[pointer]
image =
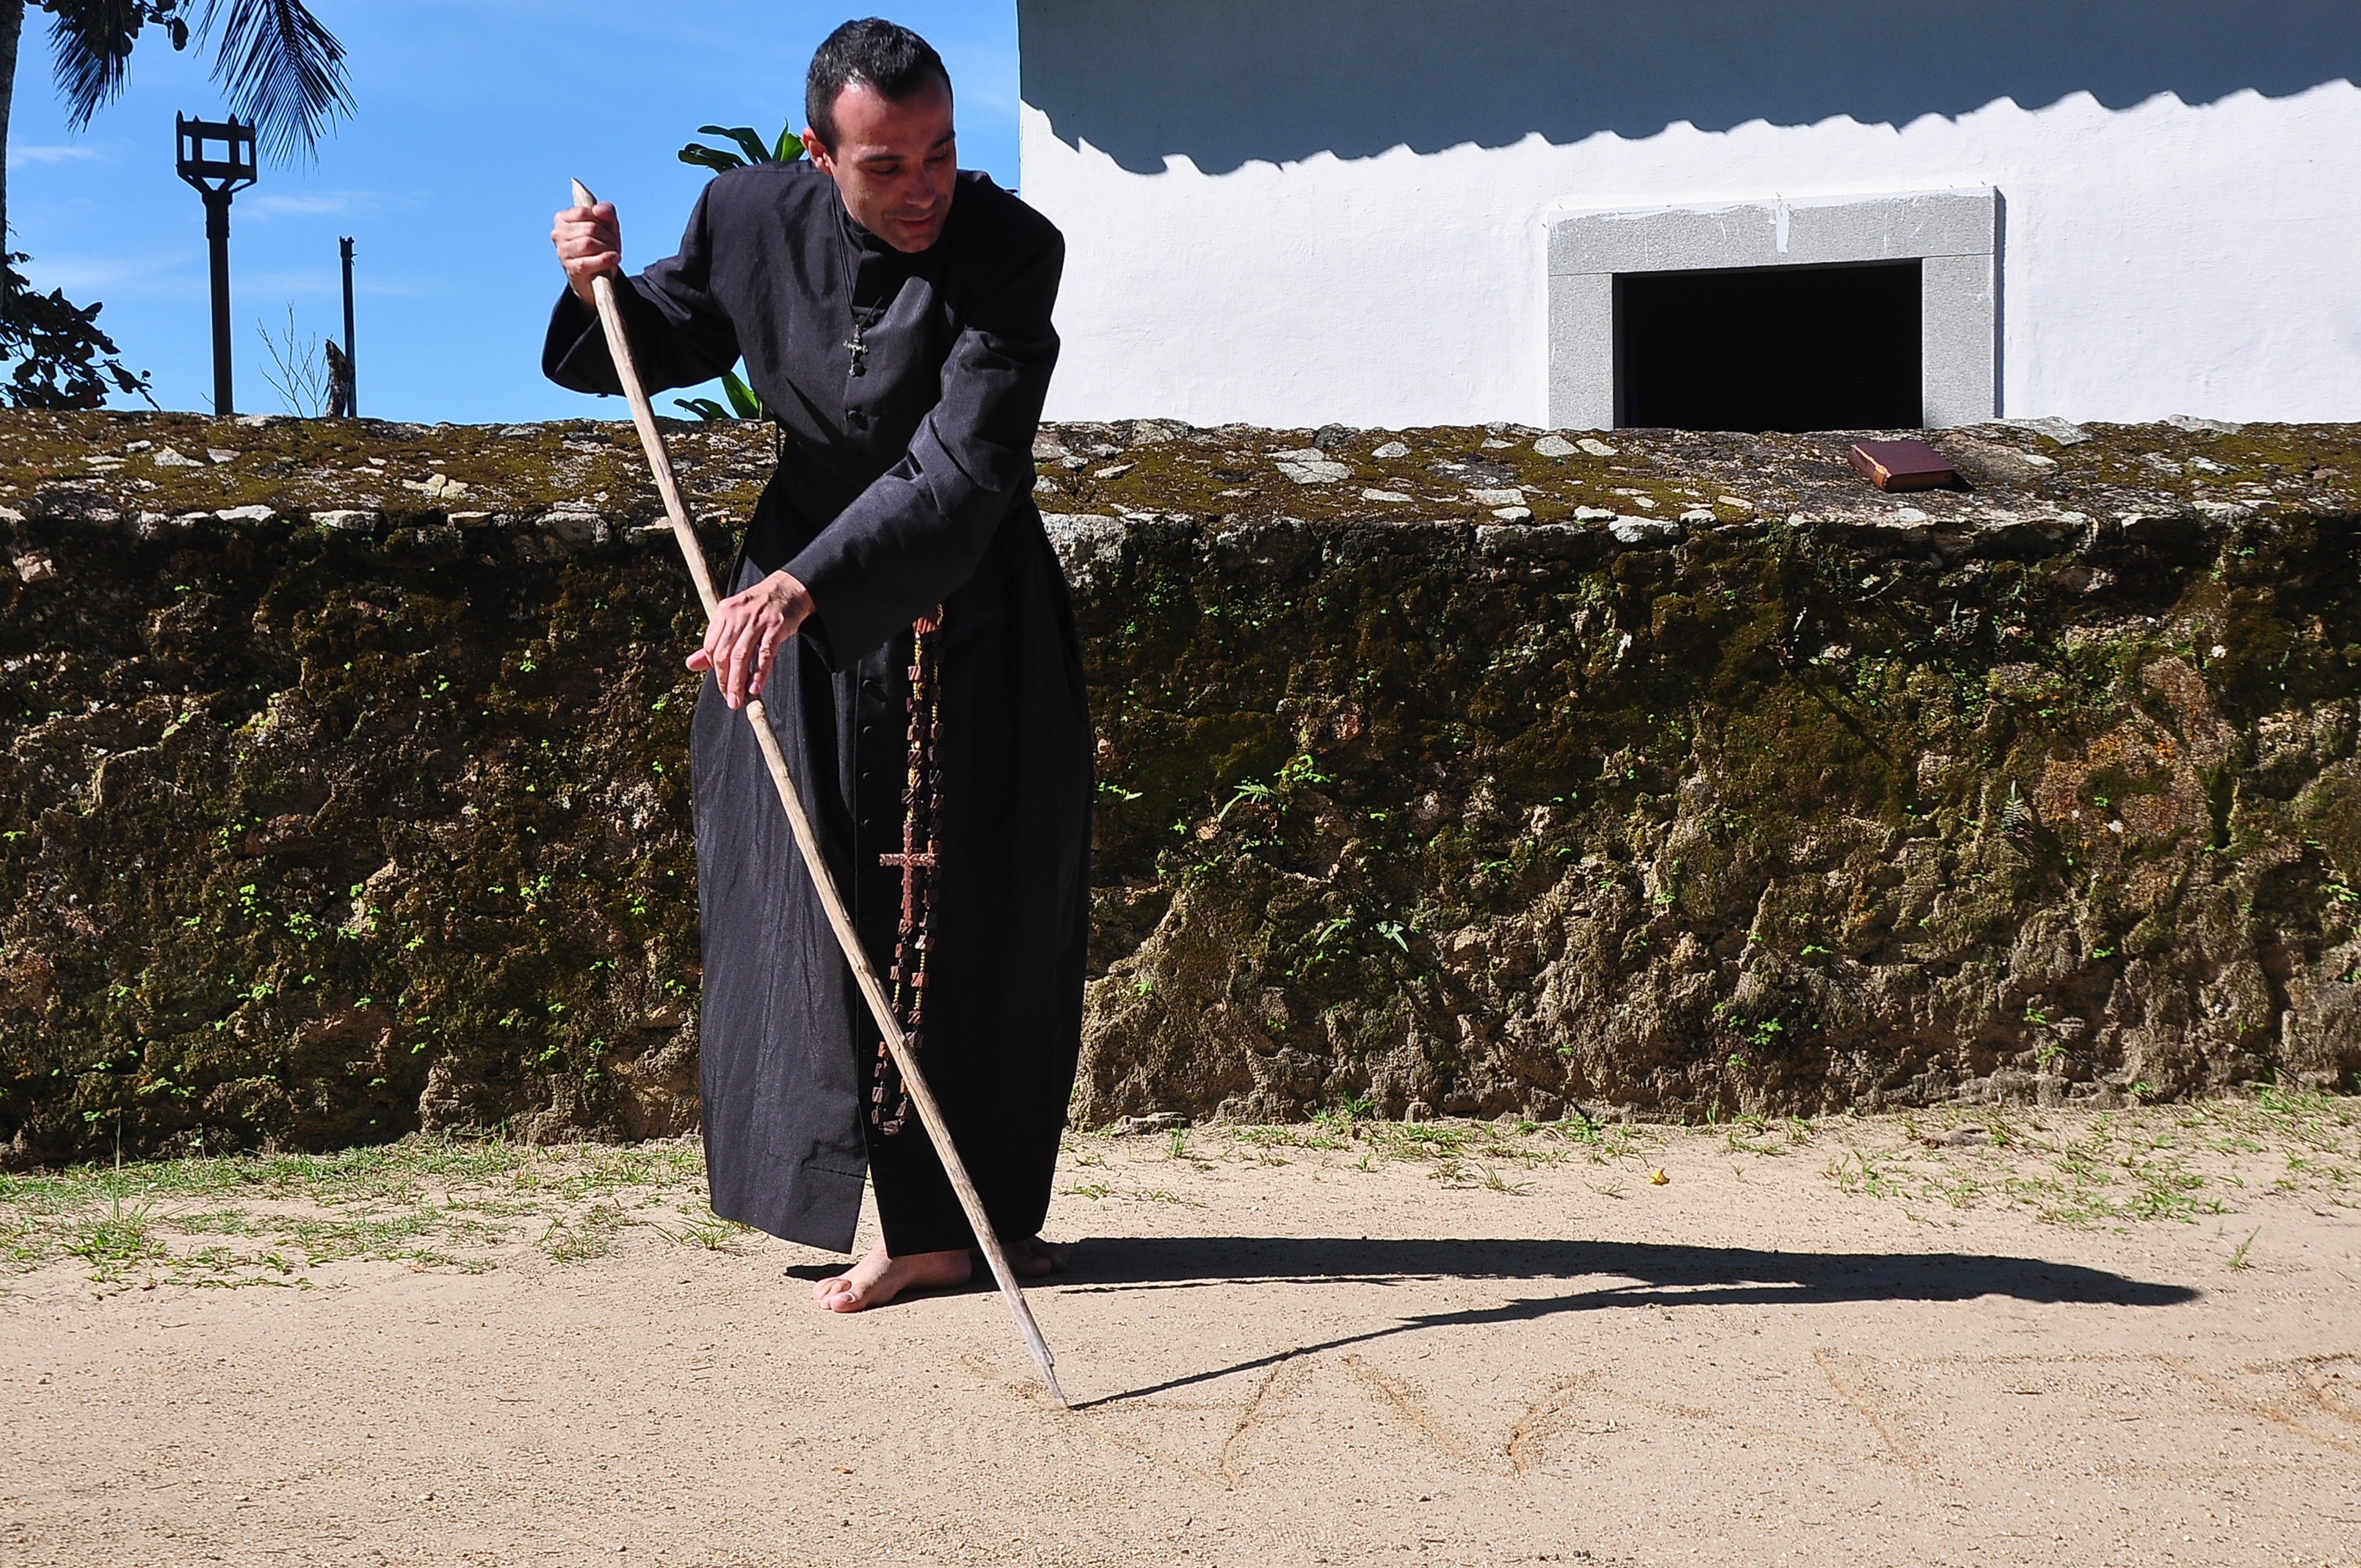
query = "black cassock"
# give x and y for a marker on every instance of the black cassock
(902, 488)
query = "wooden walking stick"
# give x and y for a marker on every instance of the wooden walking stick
(865, 973)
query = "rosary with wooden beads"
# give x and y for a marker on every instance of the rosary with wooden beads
(919, 862)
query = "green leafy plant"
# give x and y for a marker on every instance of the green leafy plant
(1303, 770)
(744, 401)
(1254, 790)
(1762, 1033)
(752, 149)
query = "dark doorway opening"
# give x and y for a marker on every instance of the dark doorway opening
(1787, 348)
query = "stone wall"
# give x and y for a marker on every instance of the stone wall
(1460, 771)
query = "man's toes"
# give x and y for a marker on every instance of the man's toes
(855, 1291)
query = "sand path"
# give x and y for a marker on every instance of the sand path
(1273, 1363)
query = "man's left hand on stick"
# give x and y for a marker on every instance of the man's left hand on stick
(743, 638)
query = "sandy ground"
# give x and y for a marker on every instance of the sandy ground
(1272, 1363)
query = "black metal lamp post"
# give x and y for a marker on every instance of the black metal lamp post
(352, 374)
(217, 180)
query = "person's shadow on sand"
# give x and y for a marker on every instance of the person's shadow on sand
(1619, 1274)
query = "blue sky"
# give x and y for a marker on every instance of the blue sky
(472, 114)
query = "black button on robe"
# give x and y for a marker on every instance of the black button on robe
(900, 488)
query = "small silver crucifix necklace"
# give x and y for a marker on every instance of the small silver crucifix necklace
(848, 256)
(857, 345)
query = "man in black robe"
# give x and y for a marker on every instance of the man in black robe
(894, 316)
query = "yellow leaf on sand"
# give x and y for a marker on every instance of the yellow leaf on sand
(1658, 1179)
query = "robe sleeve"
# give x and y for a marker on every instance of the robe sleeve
(920, 529)
(680, 334)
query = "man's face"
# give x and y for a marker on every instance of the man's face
(894, 164)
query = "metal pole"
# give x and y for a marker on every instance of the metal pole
(217, 238)
(352, 376)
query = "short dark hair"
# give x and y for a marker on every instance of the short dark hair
(892, 59)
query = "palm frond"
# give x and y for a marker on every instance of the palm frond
(284, 71)
(90, 42)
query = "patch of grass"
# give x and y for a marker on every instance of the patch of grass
(264, 1219)
(2178, 1163)
(218, 1268)
(380, 1237)
(1102, 1191)
(1313, 1134)
(1855, 1171)
(115, 1241)
(578, 1238)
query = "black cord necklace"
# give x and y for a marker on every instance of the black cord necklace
(858, 344)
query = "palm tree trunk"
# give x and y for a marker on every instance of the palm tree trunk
(12, 28)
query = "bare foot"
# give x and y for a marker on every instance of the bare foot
(1033, 1258)
(877, 1278)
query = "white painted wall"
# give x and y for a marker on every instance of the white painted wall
(1303, 211)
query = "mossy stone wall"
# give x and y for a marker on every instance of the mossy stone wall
(1464, 771)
